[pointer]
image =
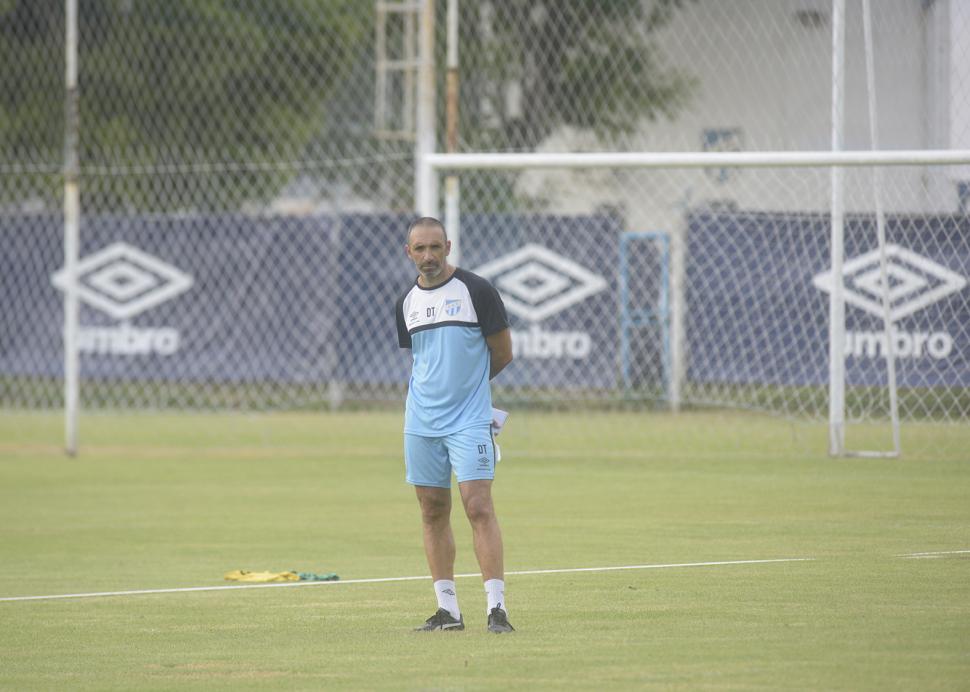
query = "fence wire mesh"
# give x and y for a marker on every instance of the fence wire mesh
(756, 291)
(247, 170)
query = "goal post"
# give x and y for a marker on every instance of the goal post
(884, 290)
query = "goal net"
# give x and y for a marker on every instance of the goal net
(723, 279)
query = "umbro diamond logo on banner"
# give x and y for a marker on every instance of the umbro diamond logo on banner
(535, 282)
(915, 282)
(123, 281)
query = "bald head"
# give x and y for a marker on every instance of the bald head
(427, 222)
(428, 247)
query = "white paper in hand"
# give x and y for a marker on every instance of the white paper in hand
(498, 421)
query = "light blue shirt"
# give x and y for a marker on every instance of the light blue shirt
(445, 328)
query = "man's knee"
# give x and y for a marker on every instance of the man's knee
(479, 508)
(435, 506)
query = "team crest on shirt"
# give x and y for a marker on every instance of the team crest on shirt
(452, 307)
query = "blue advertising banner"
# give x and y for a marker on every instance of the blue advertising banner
(558, 277)
(220, 299)
(758, 291)
(230, 299)
(373, 272)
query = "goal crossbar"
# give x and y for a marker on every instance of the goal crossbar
(713, 159)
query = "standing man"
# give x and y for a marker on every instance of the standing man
(455, 324)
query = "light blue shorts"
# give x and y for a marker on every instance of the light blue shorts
(470, 453)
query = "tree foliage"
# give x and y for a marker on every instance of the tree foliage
(168, 85)
(589, 64)
(189, 104)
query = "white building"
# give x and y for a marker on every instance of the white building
(763, 71)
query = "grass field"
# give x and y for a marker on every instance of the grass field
(164, 502)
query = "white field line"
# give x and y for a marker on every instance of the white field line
(938, 554)
(142, 592)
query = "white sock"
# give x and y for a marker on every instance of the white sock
(495, 593)
(444, 589)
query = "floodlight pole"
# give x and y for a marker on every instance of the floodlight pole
(888, 327)
(425, 188)
(836, 297)
(452, 188)
(72, 217)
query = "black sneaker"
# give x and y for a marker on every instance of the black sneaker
(498, 621)
(442, 620)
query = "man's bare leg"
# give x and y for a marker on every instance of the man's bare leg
(439, 540)
(439, 548)
(477, 498)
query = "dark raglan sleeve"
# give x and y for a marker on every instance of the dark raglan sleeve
(403, 337)
(489, 307)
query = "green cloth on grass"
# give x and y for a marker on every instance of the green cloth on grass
(248, 576)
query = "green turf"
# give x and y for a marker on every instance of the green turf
(175, 501)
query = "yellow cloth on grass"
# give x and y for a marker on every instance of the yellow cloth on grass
(246, 575)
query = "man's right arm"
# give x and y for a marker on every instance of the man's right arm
(500, 351)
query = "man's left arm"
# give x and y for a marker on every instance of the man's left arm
(499, 350)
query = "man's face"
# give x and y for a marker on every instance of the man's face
(428, 249)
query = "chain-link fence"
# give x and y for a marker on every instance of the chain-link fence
(247, 170)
